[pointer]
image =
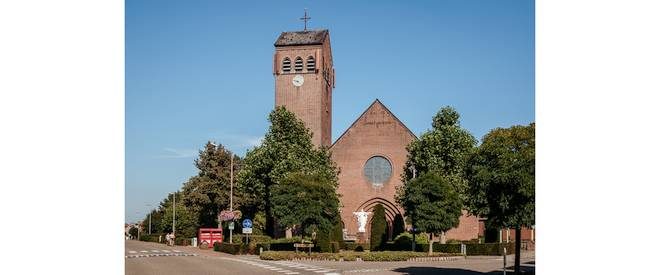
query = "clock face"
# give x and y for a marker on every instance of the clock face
(298, 80)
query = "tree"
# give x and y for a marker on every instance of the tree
(432, 204)
(286, 148)
(378, 236)
(186, 221)
(133, 232)
(307, 200)
(207, 193)
(443, 150)
(501, 175)
(156, 216)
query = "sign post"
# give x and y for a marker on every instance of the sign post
(247, 229)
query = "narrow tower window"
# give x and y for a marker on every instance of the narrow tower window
(286, 65)
(299, 64)
(311, 64)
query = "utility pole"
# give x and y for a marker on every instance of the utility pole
(150, 211)
(174, 214)
(231, 193)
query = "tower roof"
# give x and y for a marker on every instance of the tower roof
(315, 37)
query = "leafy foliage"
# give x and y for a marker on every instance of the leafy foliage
(398, 225)
(306, 200)
(444, 150)
(133, 232)
(207, 193)
(501, 175)
(378, 236)
(186, 220)
(431, 203)
(287, 148)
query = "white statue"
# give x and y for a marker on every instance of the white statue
(362, 220)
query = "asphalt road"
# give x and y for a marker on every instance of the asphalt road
(152, 258)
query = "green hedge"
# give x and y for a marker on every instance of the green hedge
(493, 249)
(353, 246)
(150, 238)
(229, 248)
(350, 255)
(472, 249)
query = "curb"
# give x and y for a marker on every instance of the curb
(158, 255)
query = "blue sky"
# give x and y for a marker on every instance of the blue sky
(202, 70)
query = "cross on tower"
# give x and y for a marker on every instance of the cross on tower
(305, 18)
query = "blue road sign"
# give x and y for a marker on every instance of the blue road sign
(247, 223)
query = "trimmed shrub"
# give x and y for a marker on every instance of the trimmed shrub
(323, 242)
(334, 247)
(359, 248)
(492, 249)
(378, 229)
(229, 248)
(150, 238)
(349, 255)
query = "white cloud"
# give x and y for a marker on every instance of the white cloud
(179, 153)
(238, 143)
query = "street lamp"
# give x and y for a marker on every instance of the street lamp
(150, 211)
(174, 214)
(231, 194)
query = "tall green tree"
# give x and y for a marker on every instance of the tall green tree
(207, 193)
(378, 234)
(501, 175)
(186, 221)
(432, 204)
(286, 148)
(443, 150)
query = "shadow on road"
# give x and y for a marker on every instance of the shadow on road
(419, 270)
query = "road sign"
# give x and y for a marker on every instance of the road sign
(247, 223)
(231, 226)
(247, 230)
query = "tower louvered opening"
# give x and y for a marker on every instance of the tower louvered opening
(311, 64)
(286, 65)
(299, 64)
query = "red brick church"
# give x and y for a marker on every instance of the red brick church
(370, 154)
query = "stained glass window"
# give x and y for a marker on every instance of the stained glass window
(378, 170)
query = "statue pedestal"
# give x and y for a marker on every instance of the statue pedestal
(361, 237)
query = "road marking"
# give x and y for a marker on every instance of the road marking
(289, 273)
(155, 251)
(176, 250)
(132, 251)
(323, 270)
(166, 251)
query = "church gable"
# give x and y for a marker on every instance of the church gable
(376, 119)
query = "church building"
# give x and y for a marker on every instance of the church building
(370, 154)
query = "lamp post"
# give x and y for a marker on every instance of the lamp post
(150, 211)
(174, 214)
(231, 194)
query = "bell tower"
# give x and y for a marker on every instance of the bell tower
(304, 79)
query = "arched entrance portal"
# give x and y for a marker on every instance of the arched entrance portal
(391, 211)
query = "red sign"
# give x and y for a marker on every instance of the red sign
(208, 236)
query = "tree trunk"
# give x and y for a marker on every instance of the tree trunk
(430, 244)
(518, 237)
